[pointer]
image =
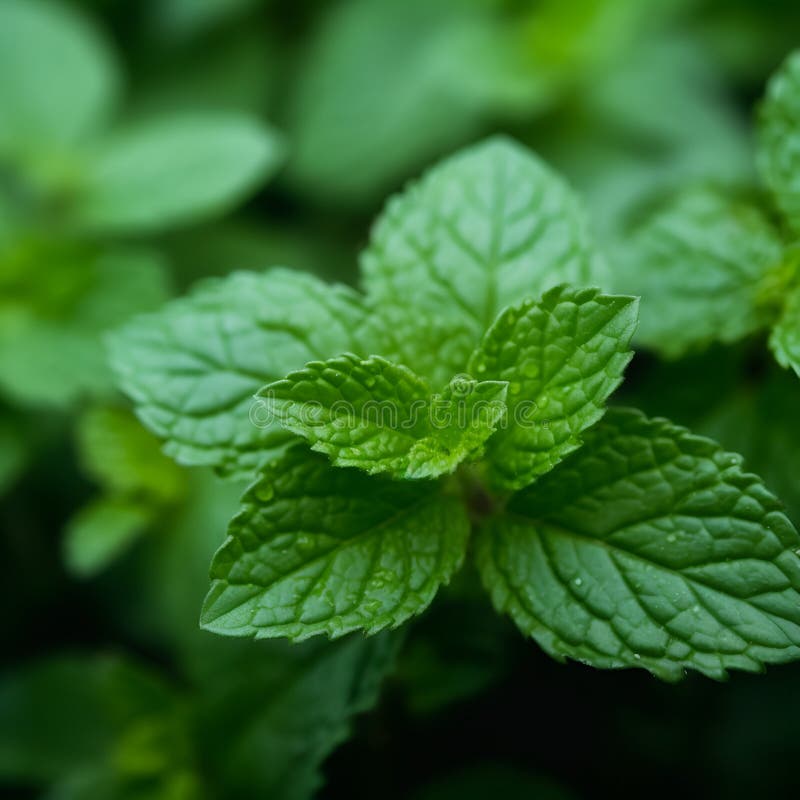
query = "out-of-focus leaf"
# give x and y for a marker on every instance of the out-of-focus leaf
(174, 170)
(779, 145)
(760, 422)
(103, 530)
(266, 730)
(785, 337)
(378, 70)
(64, 715)
(53, 358)
(702, 265)
(58, 80)
(123, 457)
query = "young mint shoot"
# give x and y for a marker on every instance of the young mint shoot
(456, 409)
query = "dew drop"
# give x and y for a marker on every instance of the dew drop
(530, 369)
(578, 581)
(636, 656)
(672, 538)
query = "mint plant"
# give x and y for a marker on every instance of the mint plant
(611, 538)
(77, 171)
(723, 263)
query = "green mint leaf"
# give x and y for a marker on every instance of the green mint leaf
(194, 367)
(53, 356)
(316, 549)
(650, 548)
(101, 531)
(58, 79)
(779, 138)
(701, 266)
(175, 170)
(373, 73)
(785, 337)
(481, 230)
(275, 748)
(123, 457)
(381, 417)
(562, 357)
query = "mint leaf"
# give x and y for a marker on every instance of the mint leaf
(785, 337)
(139, 484)
(374, 72)
(317, 549)
(193, 368)
(381, 417)
(702, 265)
(58, 79)
(51, 354)
(123, 457)
(562, 357)
(779, 138)
(275, 747)
(101, 531)
(175, 170)
(479, 231)
(648, 548)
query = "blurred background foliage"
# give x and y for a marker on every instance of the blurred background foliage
(144, 145)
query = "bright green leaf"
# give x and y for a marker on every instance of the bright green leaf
(779, 138)
(483, 229)
(316, 549)
(562, 357)
(381, 417)
(649, 548)
(58, 79)
(703, 267)
(194, 367)
(174, 171)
